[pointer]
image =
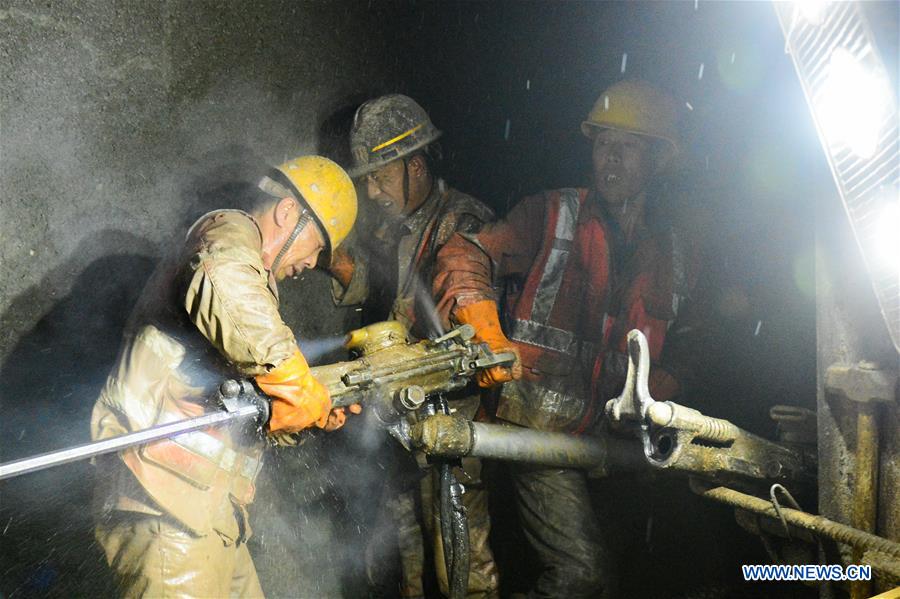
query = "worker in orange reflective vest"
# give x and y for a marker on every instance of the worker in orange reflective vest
(581, 268)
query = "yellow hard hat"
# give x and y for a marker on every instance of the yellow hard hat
(634, 107)
(324, 188)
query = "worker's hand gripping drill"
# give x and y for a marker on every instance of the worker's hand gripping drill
(299, 401)
(483, 316)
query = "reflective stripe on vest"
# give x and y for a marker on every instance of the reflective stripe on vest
(214, 450)
(535, 330)
(218, 453)
(544, 335)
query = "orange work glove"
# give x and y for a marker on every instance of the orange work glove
(338, 416)
(299, 401)
(342, 266)
(484, 317)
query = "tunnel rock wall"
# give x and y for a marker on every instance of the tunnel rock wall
(113, 116)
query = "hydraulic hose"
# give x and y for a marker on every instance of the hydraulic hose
(454, 519)
(459, 577)
(445, 474)
(454, 532)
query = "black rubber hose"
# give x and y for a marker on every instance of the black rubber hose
(459, 577)
(454, 525)
(446, 509)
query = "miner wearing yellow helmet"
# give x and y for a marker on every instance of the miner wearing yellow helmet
(174, 516)
(581, 267)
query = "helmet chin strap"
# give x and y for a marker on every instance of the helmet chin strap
(304, 220)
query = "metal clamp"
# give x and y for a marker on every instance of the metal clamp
(237, 394)
(635, 399)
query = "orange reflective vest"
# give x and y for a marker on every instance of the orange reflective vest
(558, 315)
(582, 295)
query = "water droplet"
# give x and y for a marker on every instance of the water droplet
(506, 131)
(689, 107)
(700, 72)
(624, 61)
(528, 84)
(758, 325)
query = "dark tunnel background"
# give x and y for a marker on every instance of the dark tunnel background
(119, 122)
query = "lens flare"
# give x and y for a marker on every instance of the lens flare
(852, 104)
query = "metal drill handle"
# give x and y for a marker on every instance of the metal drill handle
(491, 359)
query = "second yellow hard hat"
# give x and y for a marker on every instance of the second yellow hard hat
(634, 107)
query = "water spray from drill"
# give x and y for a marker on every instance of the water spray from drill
(315, 349)
(433, 319)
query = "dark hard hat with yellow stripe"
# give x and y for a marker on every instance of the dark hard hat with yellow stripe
(386, 129)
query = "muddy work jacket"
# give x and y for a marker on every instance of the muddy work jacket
(573, 291)
(393, 269)
(209, 312)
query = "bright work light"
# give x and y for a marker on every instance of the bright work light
(812, 10)
(853, 105)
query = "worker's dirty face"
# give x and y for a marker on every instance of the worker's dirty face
(623, 164)
(303, 253)
(276, 225)
(385, 187)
